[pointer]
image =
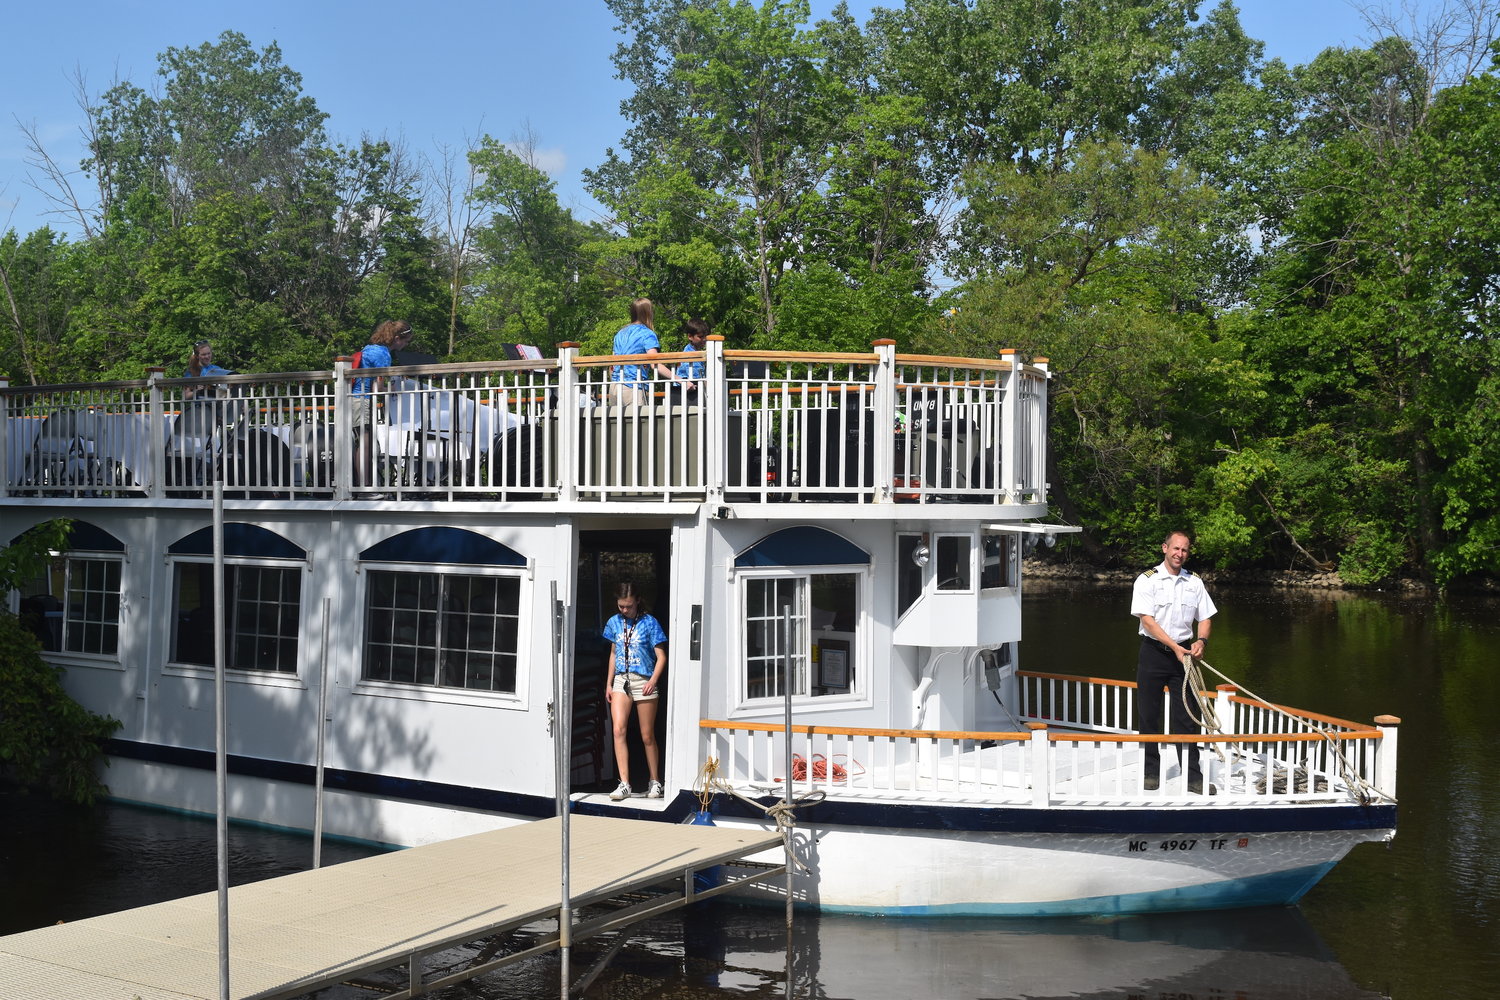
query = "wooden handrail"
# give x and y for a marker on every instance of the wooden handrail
(1055, 736)
(800, 356)
(1108, 682)
(776, 727)
(938, 360)
(1235, 698)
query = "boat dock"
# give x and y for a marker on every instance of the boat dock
(302, 932)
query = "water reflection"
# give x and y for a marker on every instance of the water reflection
(1257, 954)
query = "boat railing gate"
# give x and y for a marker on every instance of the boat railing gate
(1077, 735)
(761, 426)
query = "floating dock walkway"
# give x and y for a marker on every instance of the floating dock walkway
(298, 933)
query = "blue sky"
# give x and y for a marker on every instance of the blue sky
(437, 73)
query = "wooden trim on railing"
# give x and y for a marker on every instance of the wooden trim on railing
(1075, 737)
(800, 356)
(1074, 677)
(1053, 735)
(1301, 713)
(941, 360)
(1236, 698)
(776, 727)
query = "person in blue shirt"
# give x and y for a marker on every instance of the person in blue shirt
(200, 363)
(637, 657)
(630, 383)
(686, 377)
(389, 335)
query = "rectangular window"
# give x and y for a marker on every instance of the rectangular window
(443, 630)
(911, 561)
(75, 607)
(262, 616)
(954, 572)
(790, 621)
(998, 563)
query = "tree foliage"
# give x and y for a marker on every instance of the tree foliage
(47, 740)
(1267, 290)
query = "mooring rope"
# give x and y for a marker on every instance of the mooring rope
(1199, 708)
(782, 813)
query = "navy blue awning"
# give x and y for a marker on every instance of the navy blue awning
(803, 545)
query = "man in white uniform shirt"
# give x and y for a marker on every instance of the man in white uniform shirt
(1176, 616)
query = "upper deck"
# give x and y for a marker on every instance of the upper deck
(763, 428)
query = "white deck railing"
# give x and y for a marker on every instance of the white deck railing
(761, 426)
(1075, 751)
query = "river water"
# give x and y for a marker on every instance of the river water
(1417, 919)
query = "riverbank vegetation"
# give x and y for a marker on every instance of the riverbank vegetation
(47, 740)
(1268, 291)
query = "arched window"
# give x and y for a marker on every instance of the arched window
(262, 599)
(803, 594)
(443, 609)
(75, 606)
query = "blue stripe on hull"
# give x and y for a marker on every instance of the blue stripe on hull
(1273, 889)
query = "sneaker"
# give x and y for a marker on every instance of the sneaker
(1151, 783)
(623, 792)
(654, 790)
(1195, 786)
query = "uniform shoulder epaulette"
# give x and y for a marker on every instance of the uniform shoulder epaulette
(1186, 571)
(1150, 572)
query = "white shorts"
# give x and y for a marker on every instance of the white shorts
(635, 686)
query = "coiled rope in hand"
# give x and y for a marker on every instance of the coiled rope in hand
(1199, 707)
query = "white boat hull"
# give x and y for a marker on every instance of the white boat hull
(915, 873)
(870, 869)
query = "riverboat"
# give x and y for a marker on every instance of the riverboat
(406, 590)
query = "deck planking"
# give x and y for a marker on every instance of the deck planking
(296, 933)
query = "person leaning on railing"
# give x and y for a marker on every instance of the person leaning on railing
(390, 335)
(201, 363)
(683, 380)
(630, 385)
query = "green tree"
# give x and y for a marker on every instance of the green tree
(757, 140)
(1380, 308)
(47, 740)
(536, 280)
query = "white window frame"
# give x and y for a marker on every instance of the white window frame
(859, 694)
(972, 545)
(420, 691)
(272, 678)
(65, 560)
(1012, 568)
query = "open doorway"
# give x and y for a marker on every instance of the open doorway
(605, 558)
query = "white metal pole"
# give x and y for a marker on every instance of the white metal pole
(786, 790)
(322, 737)
(562, 697)
(221, 726)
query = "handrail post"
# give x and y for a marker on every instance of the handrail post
(157, 433)
(1040, 428)
(1385, 755)
(713, 402)
(883, 447)
(1224, 708)
(343, 431)
(4, 437)
(1010, 431)
(567, 422)
(1041, 774)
